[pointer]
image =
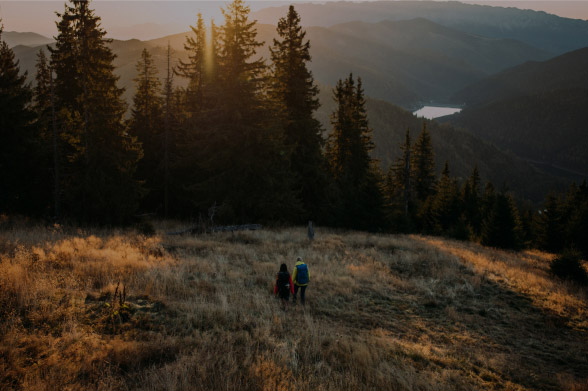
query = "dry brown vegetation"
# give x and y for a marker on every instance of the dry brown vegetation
(384, 313)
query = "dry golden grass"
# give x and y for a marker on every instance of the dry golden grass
(383, 313)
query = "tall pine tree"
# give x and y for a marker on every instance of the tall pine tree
(471, 202)
(194, 69)
(17, 137)
(550, 225)
(147, 125)
(501, 228)
(48, 138)
(423, 164)
(294, 89)
(241, 161)
(348, 149)
(99, 178)
(445, 205)
(399, 176)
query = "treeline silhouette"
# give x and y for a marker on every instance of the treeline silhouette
(240, 139)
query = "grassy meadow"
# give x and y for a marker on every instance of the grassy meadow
(102, 309)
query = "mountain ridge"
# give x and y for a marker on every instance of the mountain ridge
(540, 29)
(537, 110)
(31, 39)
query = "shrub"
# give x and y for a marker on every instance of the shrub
(568, 266)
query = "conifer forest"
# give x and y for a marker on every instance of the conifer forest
(418, 273)
(241, 138)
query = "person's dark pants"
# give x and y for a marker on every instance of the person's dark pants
(302, 293)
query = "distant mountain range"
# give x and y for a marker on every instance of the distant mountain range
(13, 38)
(568, 71)
(538, 110)
(545, 31)
(408, 63)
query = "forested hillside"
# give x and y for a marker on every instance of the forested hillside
(462, 149)
(536, 110)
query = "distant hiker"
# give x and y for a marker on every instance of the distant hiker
(284, 285)
(301, 277)
(310, 230)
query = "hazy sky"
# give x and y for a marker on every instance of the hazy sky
(153, 19)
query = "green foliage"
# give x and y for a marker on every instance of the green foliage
(147, 125)
(446, 205)
(295, 91)
(98, 180)
(356, 175)
(550, 233)
(501, 226)
(562, 221)
(19, 140)
(398, 183)
(423, 163)
(235, 146)
(471, 202)
(194, 68)
(568, 266)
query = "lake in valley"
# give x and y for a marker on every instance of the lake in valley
(431, 112)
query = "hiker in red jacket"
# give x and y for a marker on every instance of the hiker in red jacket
(284, 285)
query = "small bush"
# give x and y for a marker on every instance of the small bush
(568, 266)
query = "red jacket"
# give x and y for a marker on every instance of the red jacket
(291, 285)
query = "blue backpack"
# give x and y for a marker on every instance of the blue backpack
(302, 274)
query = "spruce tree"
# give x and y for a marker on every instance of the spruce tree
(445, 204)
(398, 190)
(350, 142)
(194, 68)
(241, 161)
(348, 149)
(147, 125)
(400, 180)
(471, 201)
(48, 138)
(294, 89)
(550, 225)
(17, 137)
(99, 185)
(42, 92)
(502, 226)
(577, 226)
(423, 165)
(487, 200)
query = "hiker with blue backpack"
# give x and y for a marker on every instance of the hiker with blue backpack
(301, 277)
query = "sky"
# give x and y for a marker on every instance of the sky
(154, 19)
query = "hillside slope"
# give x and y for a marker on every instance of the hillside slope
(461, 149)
(383, 312)
(545, 31)
(565, 72)
(536, 110)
